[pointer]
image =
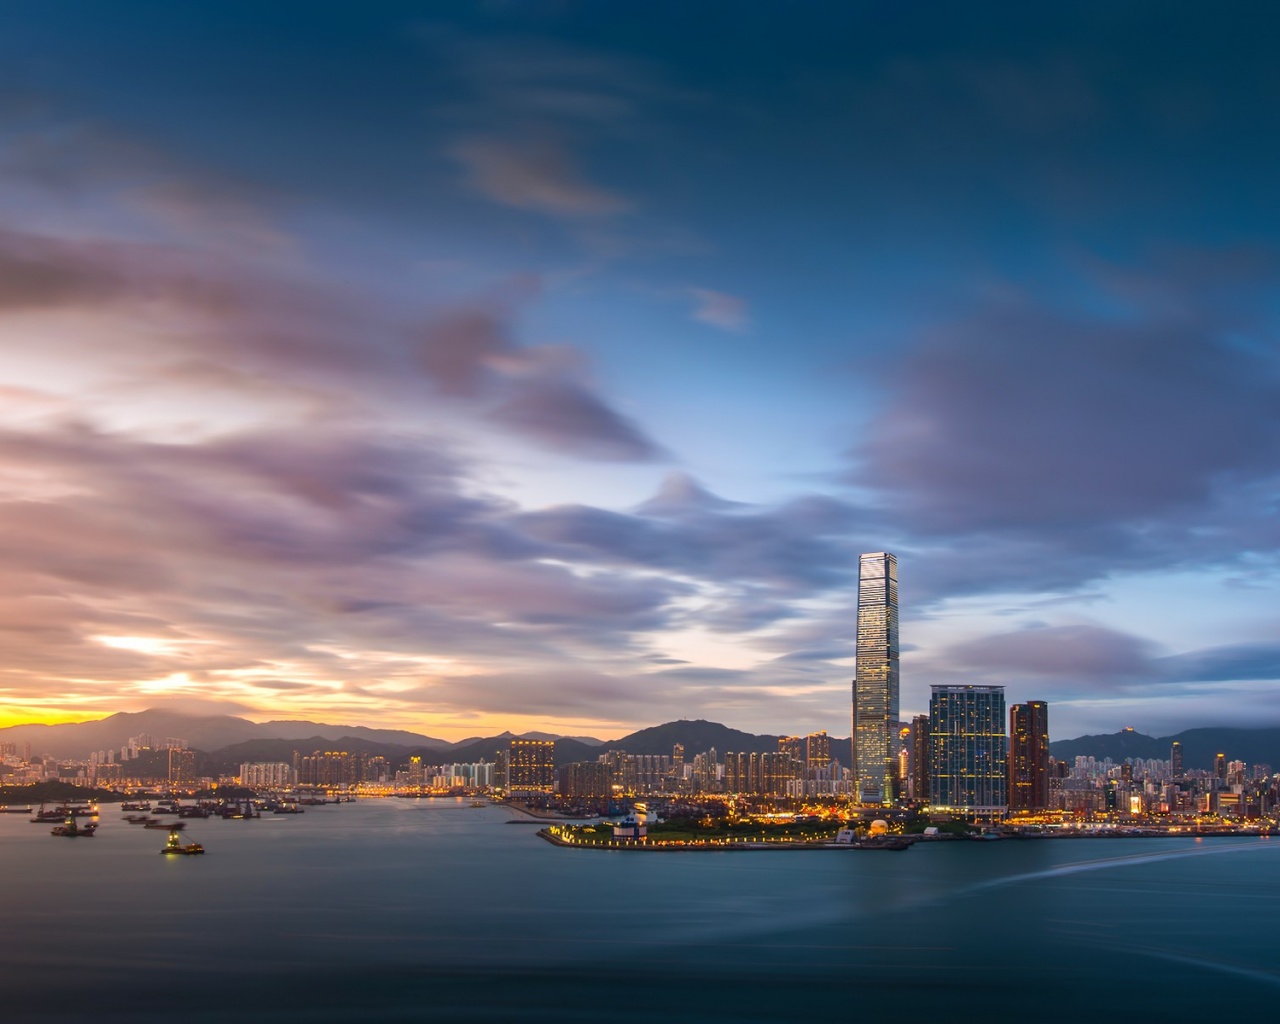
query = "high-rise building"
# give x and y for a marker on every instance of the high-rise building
(585, 780)
(328, 768)
(920, 758)
(968, 749)
(875, 684)
(267, 775)
(1220, 767)
(531, 766)
(182, 766)
(1029, 756)
(1175, 760)
(817, 751)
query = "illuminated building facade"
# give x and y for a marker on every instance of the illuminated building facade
(267, 775)
(531, 766)
(875, 684)
(1175, 760)
(329, 768)
(1029, 756)
(182, 766)
(968, 750)
(817, 751)
(920, 758)
(585, 780)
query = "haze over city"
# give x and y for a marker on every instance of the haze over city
(548, 368)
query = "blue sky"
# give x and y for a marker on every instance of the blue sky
(549, 366)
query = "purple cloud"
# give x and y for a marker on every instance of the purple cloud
(535, 174)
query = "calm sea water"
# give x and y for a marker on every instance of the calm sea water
(434, 910)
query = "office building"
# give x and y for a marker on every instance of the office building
(1175, 760)
(1029, 756)
(875, 684)
(968, 750)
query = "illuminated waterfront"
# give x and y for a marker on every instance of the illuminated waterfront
(381, 908)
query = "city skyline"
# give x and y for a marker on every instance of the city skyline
(548, 367)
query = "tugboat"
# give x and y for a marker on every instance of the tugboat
(175, 845)
(71, 830)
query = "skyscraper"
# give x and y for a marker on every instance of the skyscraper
(875, 684)
(1175, 760)
(968, 749)
(1029, 756)
(920, 758)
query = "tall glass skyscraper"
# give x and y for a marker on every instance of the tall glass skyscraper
(968, 749)
(875, 683)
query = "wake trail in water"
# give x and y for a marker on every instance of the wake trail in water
(1103, 864)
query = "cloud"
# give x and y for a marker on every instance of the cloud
(1020, 448)
(1249, 661)
(541, 393)
(773, 548)
(1079, 655)
(1020, 418)
(728, 312)
(38, 273)
(536, 174)
(565, 415)
(457, 351)
(1081, 663)
(679, 495)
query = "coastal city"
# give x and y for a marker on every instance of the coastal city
(969, 768)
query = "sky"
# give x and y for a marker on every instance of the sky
(469, 367)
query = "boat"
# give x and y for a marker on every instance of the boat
(71, 830)
(42, 816)
(172, 826)
(288, 808)
(143, 805)
(175, 846)
(478, 803)
(16, 810)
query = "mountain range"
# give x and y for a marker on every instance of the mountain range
(229, 741)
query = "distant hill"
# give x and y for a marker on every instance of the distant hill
(696, 736)
(1199, 746)
(229, 741)
(203, 732)
(288, 730)
(77, 739)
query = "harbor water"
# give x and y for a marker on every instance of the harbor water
(437, 910)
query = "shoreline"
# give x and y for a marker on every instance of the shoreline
(711, 846)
